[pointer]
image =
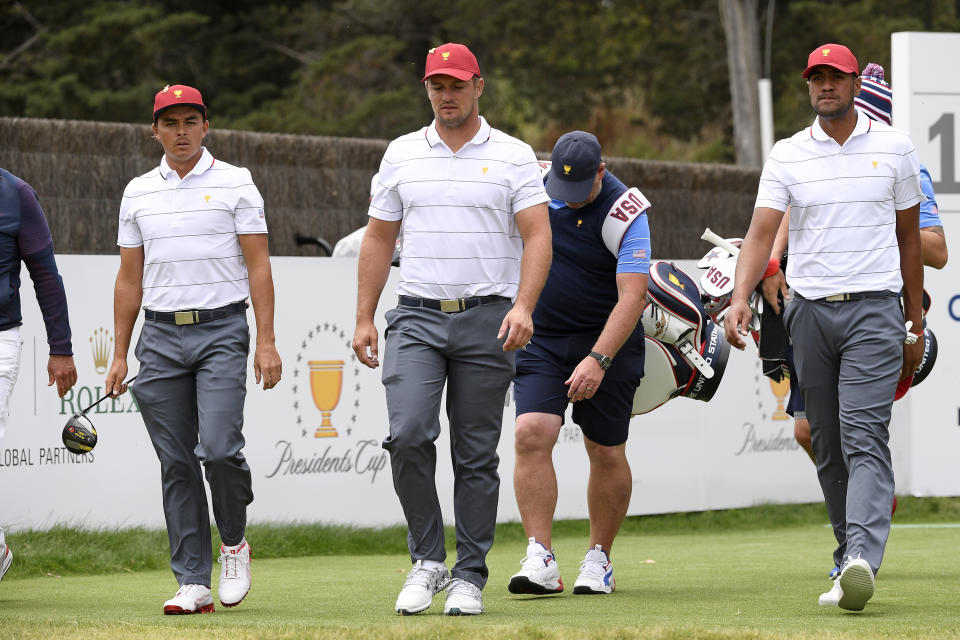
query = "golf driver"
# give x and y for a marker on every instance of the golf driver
(78, 434)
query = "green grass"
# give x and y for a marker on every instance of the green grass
(740, 574)
(67, 551)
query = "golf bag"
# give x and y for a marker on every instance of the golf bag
(674, 314)
(686, 353)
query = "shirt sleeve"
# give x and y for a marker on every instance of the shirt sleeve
(249, 217)
(128, 232)
(906, 188)
(772, 192)
(385, 202)
(929, 212)
(35, 245)
(634, 256)
(528, 189)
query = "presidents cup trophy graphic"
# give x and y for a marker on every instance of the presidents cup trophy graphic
(326, 381)
(780, 390)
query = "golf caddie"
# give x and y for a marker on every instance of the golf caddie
(193, 248)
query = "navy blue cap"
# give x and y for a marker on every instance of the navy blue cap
(576, 159)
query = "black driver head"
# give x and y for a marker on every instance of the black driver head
(78, 434)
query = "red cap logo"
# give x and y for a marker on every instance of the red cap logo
(832, 55)
(451, 59)
(176, 96)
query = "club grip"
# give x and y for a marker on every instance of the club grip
(716, 240)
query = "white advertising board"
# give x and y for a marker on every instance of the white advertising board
(926, 103)
(737, 450)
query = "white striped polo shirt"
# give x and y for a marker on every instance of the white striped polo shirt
(843, 202)
(188, 230)
(459, 237)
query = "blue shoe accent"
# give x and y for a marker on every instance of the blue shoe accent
(834, 572)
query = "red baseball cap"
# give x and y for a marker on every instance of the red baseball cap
(832, 55)
(177, 95)
(451, 59)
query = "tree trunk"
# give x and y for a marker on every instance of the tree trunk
(743, 61)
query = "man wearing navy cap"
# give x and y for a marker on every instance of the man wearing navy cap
(469, 205)
(853, 189)
(588, 350)
(193, 247)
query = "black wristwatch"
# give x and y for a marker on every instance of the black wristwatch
(605, 361)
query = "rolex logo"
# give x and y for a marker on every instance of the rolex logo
(100, 343)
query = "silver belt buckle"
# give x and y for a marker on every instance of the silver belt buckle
(185, 317)
(449, 306)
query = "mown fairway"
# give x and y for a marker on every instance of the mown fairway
(739, 582)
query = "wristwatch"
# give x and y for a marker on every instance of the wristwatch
(605, 361)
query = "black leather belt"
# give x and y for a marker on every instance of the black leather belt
(196, 316)
(849, 297)
(450, 306)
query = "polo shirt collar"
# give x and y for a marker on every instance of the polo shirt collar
(863, 125)
(206, 161)
(483, 134)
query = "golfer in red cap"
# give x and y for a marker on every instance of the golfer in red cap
(475, 251)
(853, 189)
(193, 248)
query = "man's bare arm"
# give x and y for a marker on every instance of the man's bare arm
(127, 298)
(933, 245)
(373, 268)
(534, 226)
(266, 360)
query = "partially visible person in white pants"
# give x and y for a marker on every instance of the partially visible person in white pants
(9, 368)
(25, 237)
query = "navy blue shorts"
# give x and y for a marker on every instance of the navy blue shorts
(547, 362)
(795, 403)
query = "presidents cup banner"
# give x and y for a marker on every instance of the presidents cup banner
(314, 441)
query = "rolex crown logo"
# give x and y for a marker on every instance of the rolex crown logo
(101, 343)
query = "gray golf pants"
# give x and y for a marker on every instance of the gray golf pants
(425, 349)
(191, 388)
(848, 357)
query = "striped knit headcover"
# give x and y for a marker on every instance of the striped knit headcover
(875, 98)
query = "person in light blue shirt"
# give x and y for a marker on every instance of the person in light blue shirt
(589, 350)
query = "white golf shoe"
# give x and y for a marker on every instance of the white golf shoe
(234, 573)
(463, 599)
(190, 598)
(539, 573)
(6, 556)
(854, 586)
(596, 573)
(423, 582)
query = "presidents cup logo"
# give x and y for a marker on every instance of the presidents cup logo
(331, 435)
(326, 382)
(319, 372)
(759, 436)
(780, 390)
